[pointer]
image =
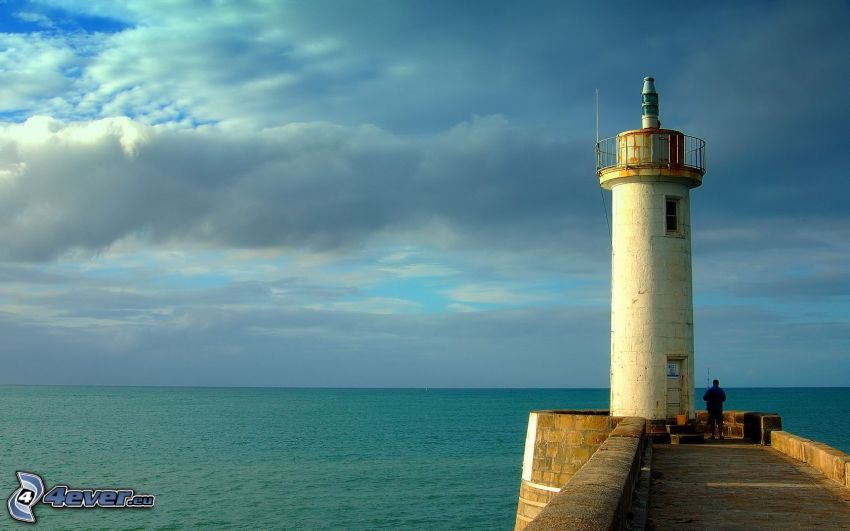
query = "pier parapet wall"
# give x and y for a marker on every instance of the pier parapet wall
(833, 463)
(558, 443)
(598, 497)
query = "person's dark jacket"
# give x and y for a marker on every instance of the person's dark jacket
(714, 399)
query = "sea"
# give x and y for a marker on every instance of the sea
(268, 458)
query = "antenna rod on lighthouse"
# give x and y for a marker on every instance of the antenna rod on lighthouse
(597, 115)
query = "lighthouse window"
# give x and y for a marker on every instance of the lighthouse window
(671, 216)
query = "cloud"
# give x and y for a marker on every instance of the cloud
(493, 294)
(770, 110)
(89, 185)
(351, 194)
(36, 18)
(419, 270)
(35, 72)
(327, 348)
(379, 305)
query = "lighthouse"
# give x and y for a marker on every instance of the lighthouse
(650, 172)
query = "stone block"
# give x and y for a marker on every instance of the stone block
(847, 474)
(793, 446)
(829, 461)
(592, 422)
(595, 438)
(564, 421)
(811, 451)
(545, 420)
(575, 438)
(529, 493)
(779, 442)
(571, 468)
(530, 511)
(555, 436)
(562, 479)
(769, 423)
(816, 455)
(630, 427)
(798, 447)
(540, 452)
(581, 454)
(563, 455)
(759, 426)
(789, 443)
(839, 467)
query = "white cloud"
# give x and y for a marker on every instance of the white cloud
(419, 270)
(33, 71)
(399, 255)
(494, 294)
(36, 18)
(376, 305)
(315, 186)
(458, 307)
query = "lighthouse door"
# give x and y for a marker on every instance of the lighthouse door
(674, 387)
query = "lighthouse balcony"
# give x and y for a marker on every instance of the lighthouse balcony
(651, 149)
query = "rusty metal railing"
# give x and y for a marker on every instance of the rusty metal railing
(650, 149)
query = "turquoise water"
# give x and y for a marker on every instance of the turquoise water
(310, 458)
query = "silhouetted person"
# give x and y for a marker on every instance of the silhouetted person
(714, 399)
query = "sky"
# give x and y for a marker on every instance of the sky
(403, 193)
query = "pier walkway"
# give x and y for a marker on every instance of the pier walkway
(731, 484)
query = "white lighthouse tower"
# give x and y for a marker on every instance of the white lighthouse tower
(650, 172)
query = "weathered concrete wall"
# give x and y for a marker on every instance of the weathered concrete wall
(557, 445)
(598, 496)
(833, 463)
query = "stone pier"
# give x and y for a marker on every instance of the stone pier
(759, 477)
(733, 484)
